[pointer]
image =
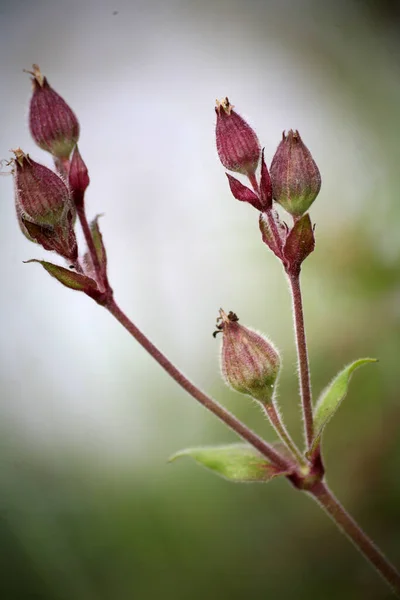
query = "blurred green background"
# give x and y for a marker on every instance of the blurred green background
(89, 507)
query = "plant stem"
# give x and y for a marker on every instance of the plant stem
(325, 498)
(276, 421)
(80, 209)
(224, 415)
(304, 371)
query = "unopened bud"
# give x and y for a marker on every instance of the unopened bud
(53, 125)
(249, 362)
(60, 239)
(237, 144)
(40, 194)
(78, 176)
(296, 180)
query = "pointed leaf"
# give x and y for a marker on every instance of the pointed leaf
(331, 398)
(265, 185)
(71, 279)
(299, 244)
(243, 193)
(236, 462)
(98, 243)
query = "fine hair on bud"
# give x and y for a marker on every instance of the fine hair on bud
(53, 124)
(295, 177)
(250, 363)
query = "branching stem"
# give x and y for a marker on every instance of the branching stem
(325, 498)
(224, 415)
(302, 355)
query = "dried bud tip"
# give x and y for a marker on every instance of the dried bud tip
(38, 77)
(224, 105)
(249, 362)
(20, 157)
(237, 144)
(223, 319)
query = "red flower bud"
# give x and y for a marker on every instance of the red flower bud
(53, 125)
(40, 194)
(60, 238)
(249, 362)
(295, 177)
(78, 176)
(237, 144)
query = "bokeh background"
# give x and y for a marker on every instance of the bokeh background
(89, 507)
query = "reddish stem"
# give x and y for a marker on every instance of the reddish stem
(224, 415)
(80, 209)
(325, 498)
(304, 371)
(277, 423)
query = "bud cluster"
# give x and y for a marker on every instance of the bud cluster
(293, 181)
(47, 202)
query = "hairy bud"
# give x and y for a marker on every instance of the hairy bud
(296, 180)
(237, 144)
(249, 362)
(40, 194)
(53, 125)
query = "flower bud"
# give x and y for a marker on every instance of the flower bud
(53, 125)
(249, 362)
(40, 194)
(60, 239)
(78, 176)
(237, 144)
(295, 177)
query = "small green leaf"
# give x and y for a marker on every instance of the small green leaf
(331, 398)
(71, 279)
(98, 243)
(236, 462)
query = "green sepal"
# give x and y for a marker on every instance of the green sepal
(235, 462)
(330, 400)
(71, 279)
(98, 243)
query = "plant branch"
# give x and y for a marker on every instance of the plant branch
(276, 421)
(325, 498)
(80, 209)
(302, 354)
(212, 405)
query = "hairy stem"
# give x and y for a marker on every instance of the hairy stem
(276, 421)
(325, 498)
(302, 355)
(224, 415)
(80, 209)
